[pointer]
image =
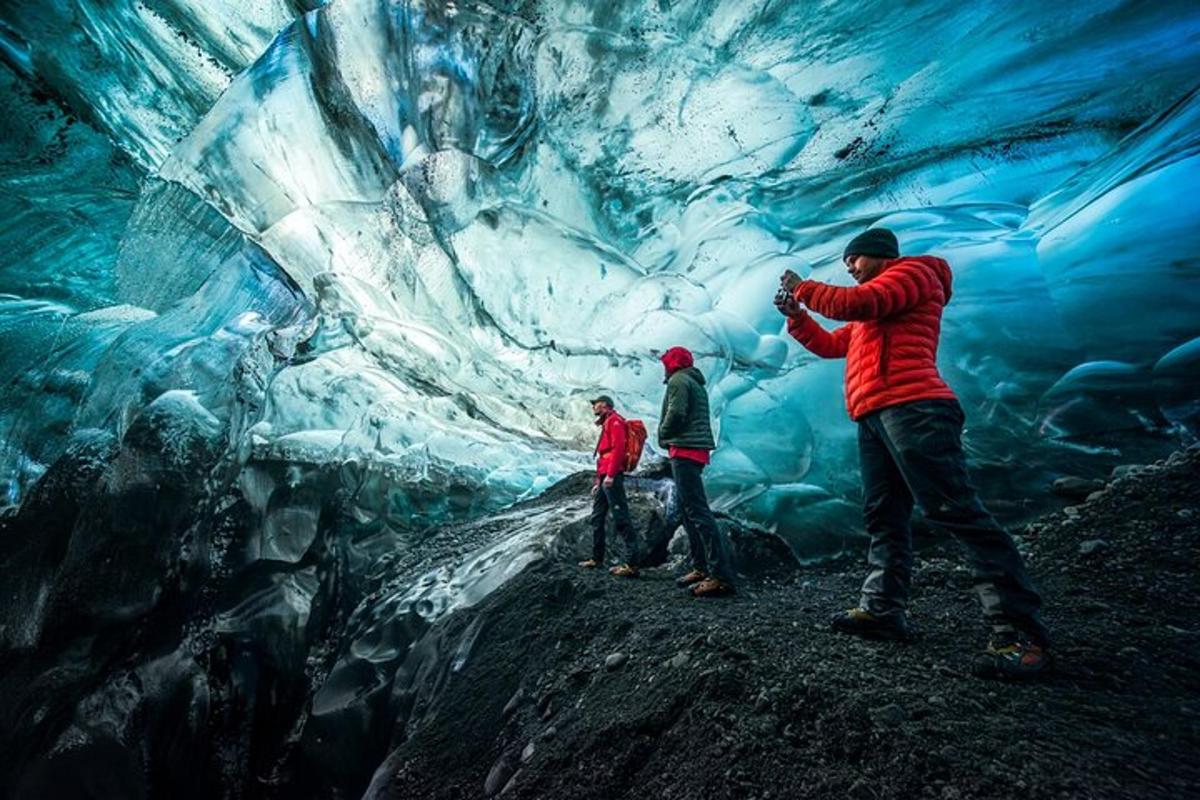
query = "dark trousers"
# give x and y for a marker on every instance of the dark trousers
(695, 543)
(913, 452)
(613, 499)
(711, 552)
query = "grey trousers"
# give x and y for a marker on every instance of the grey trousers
(913, 453)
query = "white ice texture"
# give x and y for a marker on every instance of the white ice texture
(406, 241)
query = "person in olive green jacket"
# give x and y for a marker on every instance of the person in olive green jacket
(685, 430)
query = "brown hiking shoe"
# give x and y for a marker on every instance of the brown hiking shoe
(625, 571)
(860, 622)
(713, 587)
(1014, 658)
(591, 563)
(695, 576)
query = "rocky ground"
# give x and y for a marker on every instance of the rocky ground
(154, 643)
(581, 685)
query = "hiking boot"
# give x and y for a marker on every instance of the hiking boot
(860, 622)
(695, 576)
(713, 587)
(591, 563)
(625, 571)
(1015, 658)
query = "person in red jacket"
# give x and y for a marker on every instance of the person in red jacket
(909, 441)
(608, 491)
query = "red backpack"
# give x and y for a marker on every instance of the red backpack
(635, 440)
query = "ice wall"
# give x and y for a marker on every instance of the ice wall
(407, 240)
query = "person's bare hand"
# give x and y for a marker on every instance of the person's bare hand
(608, 482)
(789, 280)
(788, 305)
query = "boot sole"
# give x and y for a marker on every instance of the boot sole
(721, 593)
(990, 672)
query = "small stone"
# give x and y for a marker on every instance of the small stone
(498, 777)
(550, 732)
(679, 660)
(545, 706)
(615, 661)
(1072, 511)
(1124, 470)
(890, 715)
(1092, 546)
(512, 782)
(1185, 513)
(514, 703)
(528, 752)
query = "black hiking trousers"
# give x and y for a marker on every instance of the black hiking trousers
(913, 452)
(612, 498)
(711, 552)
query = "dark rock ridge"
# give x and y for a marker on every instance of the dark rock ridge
(161, 636)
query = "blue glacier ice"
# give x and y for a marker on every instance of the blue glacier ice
(287, 267)
(432, 230)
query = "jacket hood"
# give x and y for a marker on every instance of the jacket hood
(936, 265)
(677, 358)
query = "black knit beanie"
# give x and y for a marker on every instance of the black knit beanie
(877, 242)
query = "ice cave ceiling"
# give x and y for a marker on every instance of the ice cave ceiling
(405, 241)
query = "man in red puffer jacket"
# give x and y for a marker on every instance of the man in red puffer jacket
(608, 491)
(909, 439)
